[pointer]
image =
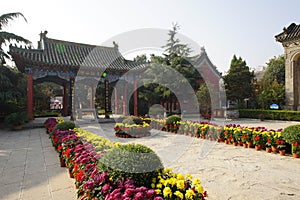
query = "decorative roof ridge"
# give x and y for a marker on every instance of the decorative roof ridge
(203, 55)
(51, 40)
(32, 50)
(288, 34)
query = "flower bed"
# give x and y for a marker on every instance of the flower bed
(82, 151)
(258, 137)
(132, 130)
(133, 127)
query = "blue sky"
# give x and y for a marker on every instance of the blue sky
(224, 28)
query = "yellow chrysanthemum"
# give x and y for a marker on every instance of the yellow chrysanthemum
(159, 185)
(199, 188)
(172, 181)
(167, 192)
(117, 144)
(189, 177)
(180, 177)
(196, 181)
(180, 184)
(178, 194)
(189, 194)
(158, 191)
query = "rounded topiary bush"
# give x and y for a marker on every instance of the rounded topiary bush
(65, 126)
(134, 161)
(291, 134)
(173, 119)
(171, 122)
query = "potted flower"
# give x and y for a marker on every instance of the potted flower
(295, 149)
(291, 135)
(270, 142)
(281, 146)
(259, 141)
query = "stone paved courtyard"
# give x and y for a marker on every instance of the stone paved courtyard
(29, 166)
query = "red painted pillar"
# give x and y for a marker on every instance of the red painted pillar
(124, 99)
(65, 107)
(116, 101)
(30, 96)
(135, 99)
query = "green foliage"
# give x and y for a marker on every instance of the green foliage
(161, 79)
(134, 161)
(275, 70)
(271, 92)
(141, 58)
(174, 46)
(173, 119)
(238, 80)
(16, 119)
(6, 37)
(204, 98)
(291, 134)
(43, 92)
(270, 114)
(12, 85)
(65, 126)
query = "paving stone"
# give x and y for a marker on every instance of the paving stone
(10, 191)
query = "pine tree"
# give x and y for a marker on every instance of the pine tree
(173, 46)
(238, 81)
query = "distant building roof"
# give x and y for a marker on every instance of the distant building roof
(65, 54)
(292, 32)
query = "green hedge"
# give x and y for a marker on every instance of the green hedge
(134, 161)
(288, 115)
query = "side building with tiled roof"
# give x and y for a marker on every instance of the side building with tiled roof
(290, 40)
(62, 61)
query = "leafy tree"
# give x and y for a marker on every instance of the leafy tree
(6, 37)
(238, 80)
(204, 99)
(271, 92)
(275, 70)
(12, 90)
(141, 58)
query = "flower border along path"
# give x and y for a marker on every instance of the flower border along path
(259, 137)
(81, 150)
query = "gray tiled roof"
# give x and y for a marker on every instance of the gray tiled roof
(290, 33)
(52, 52)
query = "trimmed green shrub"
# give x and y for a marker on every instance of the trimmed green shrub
(173, 119)
(134, 161)
(65, 126)
(291, 134)
(288, 115)
(171, 123)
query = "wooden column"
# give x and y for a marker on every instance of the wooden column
(135, 99)
(124, 99)
(116, 101)
(30, 96)
(106, 98)
(65, 100)
(71, 100)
